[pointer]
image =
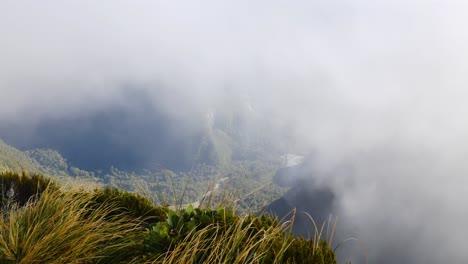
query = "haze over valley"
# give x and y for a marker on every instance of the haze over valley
(355, 109)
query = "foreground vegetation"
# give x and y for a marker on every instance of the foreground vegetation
(42, 222)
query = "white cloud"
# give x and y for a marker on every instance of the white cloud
(377, 85)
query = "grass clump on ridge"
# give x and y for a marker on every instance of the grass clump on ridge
(130, 204)
(196, 235)
(21, 187)
(59, 227)
(107, 225)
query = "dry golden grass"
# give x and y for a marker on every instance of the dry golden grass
(60, 227)
(243, 242)
(237, 243)
(69, 224)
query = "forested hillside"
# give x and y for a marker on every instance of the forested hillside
(249, 182)
(44, 161)
(13, 159)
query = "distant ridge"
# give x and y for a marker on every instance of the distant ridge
(16, 160)
(43, 161)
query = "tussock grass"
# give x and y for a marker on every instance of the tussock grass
(132, 204)
(49, 223)
(239, 242)
(22, 186)
(60, 227)
(223, 237)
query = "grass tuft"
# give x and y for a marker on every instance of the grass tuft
(46, 223)
(60, 227)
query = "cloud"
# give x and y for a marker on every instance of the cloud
(375, 86)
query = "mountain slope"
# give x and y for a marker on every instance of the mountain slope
(16, 160)
(44, 161)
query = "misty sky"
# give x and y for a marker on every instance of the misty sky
(379, 87)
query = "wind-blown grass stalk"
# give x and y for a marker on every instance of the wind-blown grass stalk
(61, 227)
(74, 225)
(238, 243)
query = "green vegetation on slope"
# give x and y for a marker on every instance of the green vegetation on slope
(248, 181)
(44, 161)
(14, 159)
(60, 225)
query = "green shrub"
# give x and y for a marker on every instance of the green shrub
(129, 203)
(191, 235)
(179, 225)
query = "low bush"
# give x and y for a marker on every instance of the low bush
(130, 203)
(197, 235)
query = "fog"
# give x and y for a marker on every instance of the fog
(375, 87)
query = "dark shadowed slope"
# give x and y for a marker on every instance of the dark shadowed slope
(304, 196)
